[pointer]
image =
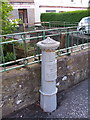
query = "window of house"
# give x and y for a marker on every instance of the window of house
(23, 15)
(50, 10)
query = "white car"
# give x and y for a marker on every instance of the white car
(84, 25)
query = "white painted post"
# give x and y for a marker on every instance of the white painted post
(48, 100)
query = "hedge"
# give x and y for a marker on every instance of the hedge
(72, 16)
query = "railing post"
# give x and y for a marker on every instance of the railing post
(48, 100)
(49, 25)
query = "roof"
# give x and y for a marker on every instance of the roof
(24, 1)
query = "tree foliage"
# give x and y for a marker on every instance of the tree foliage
(7, 25)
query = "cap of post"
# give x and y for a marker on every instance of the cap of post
(48, 43)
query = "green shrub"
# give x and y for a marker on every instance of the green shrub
(72, 16)
(8, 57)
(7, 51)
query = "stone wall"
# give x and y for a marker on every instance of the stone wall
(20, 87)
(72, 69)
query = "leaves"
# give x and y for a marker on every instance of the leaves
(7, 25)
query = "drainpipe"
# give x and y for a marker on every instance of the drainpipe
(48, 99)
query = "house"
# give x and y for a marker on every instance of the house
(25, 10)
(29, 10)
(62, 5)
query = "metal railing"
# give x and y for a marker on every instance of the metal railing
(19, 49)
(25, 27)
(53, 24)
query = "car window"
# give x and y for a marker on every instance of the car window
(87, 19)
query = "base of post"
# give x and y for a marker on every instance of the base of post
(48, 102)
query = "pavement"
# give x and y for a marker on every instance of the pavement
(71, 104)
